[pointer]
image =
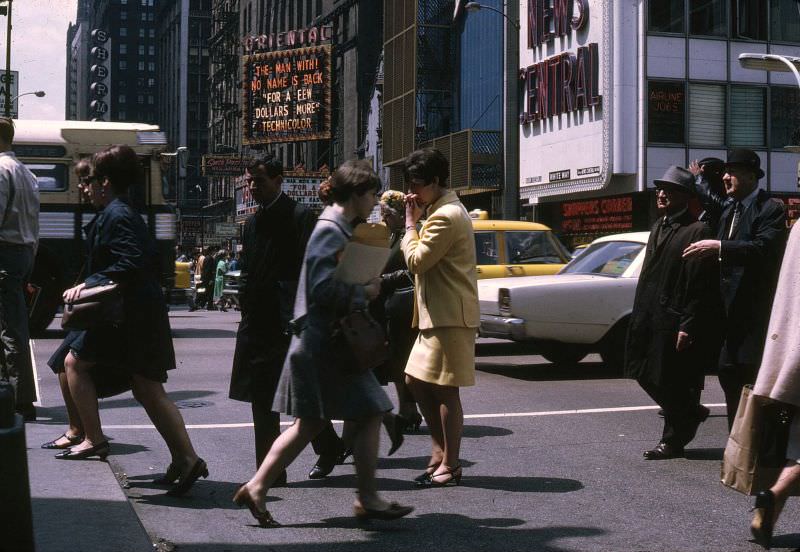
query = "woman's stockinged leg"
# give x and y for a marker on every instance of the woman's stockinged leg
(787, 480)
(365, 453)
(452, 416)
(167, 419)
(423, 393)
(73, 417)
(83, 393)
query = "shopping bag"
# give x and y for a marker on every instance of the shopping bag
(756, 449)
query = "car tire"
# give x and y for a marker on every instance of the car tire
(612, 348)
(561, 354)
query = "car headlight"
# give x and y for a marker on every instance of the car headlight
(504, 301)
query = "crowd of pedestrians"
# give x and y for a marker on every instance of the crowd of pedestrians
(713, 262)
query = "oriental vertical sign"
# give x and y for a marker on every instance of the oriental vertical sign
(287, 96)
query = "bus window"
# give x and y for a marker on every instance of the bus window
(52, 177)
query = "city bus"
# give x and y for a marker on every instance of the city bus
(50, 149)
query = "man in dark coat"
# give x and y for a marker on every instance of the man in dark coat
(273, 244)
(668, 339)
(749, 247)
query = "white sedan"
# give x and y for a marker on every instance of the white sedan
(584, 308)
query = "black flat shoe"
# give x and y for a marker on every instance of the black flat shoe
(663, 451)
(71, 442)
(394, 511)
(425, 476)
(172, 474)
(395, 431)
(762, 524)
(199, 469)
(433, 480)
(100, 450)
(322, 468)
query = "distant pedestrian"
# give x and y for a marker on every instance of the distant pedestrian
(19, 239)
(219, 277)
(671, 337)
(748, 246)
(442, 258)
(122, 250)
(208, 274)
(274, 241)
(312, 389)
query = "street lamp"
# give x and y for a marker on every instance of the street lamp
(38, 94)
(510, 130)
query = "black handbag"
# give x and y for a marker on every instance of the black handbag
(99, 305)
(358, 343)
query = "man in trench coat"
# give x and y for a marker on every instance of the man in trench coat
(274, 240)
(671, 339)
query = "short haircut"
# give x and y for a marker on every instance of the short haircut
(270, 164)
(426, 164)
(120, 165)
(352, 177)
(6, 130)
(83, 167)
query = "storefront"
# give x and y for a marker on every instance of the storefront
(614, 93)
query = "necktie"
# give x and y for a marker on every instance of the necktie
(737, 213)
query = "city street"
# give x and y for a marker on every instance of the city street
(552, 462)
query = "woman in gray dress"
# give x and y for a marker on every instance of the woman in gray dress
(311, 388)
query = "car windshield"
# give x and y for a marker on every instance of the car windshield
(531, 247)
(605, 259)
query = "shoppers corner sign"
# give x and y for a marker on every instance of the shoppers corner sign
(568, 81)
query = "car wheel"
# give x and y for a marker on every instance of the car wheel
(563, 354)
(612, 349)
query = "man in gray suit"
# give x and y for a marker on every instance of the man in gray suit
(19, 237)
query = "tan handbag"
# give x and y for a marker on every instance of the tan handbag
(99, 305)
(358, 343)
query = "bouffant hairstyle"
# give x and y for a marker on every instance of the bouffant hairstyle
(270, 164)
(352, 177)
(6, 130)
(426, 164)
(120, 165)
(83, 167)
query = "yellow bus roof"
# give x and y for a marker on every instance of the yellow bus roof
(31, 131)
(478, 224)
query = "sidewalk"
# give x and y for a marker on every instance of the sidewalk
(78, 505)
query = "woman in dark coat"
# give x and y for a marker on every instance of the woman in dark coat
(311, 388)
(122, 251)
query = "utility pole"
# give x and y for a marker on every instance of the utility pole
(8, 58)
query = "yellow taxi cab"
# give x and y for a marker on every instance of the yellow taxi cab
(507, 248)
(183, 278)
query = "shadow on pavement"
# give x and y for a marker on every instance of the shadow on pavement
(124, 449)
(204, 495)
(417, 533)
(478, 431)
(550, 372)
(789, 541)
(175, 396)
(201, 333)
(705, 454)
(411, 463)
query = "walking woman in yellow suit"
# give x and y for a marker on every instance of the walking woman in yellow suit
(442, 258)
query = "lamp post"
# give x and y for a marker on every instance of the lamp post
(510, 130)
(7, 9)
(38, 94)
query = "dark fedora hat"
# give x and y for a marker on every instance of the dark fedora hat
(745, 158)
(676, 178)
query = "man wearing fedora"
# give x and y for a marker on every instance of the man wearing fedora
(675, 301)
(749, 247)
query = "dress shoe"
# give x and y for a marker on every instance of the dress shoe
(394, 427)
(762, 524)
(323, 467)
(453, 479)
(263, 517)
(394, 511)
(172, 474)
(663, 451)
(72, 440)
(100, 450)
(198, 469)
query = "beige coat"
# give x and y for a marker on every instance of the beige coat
(442, 258)
(779, 376)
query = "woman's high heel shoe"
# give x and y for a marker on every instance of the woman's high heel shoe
(198, 469)
(394, 511)
(453, 481)
(100, 450)
(394, 427)
(263, 517)
(172, 474)
(763, 520)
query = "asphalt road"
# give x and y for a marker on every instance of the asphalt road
(552, 462)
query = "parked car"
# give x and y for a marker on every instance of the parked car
(230, 288)
(579, 249)
(506, 248)
(584, 308)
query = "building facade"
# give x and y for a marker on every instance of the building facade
(614, 93)
(77, 70)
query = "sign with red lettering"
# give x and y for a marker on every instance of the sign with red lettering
(287, 96)
(581, 221)
(225, 165)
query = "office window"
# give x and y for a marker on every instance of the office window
(150, 99)
(122, 116)
(666, 16)
(749, 19)
(151, 3)
(151, 82)
(708, 17)
(141, 33)
(151, 65)
(706, 115)
(144, 16)
(123, 2)
(141, 66)
(140, 99)
(151, 16)
(123, 31)
(123, 65)
(123, 15)
(747, 118)
(144, 2)
(123, 48)
(152, 33)
(141, 49)
(785, 18)
(122, 98)
(785, 117)
(151, 50)
(666, 108)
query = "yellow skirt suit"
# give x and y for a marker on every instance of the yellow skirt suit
(442, 258)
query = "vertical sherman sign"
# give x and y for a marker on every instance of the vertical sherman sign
(287, 95)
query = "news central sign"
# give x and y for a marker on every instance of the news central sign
(287, 95)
